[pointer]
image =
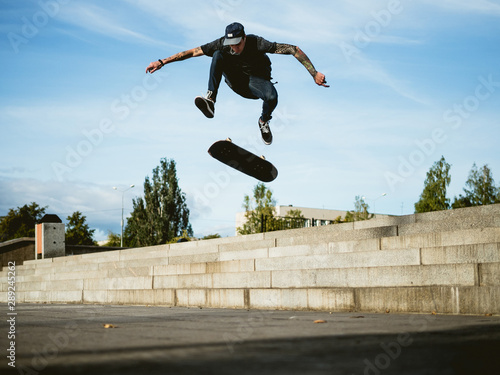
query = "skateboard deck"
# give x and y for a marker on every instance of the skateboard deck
(242, 160)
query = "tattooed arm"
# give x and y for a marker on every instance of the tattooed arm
(288, 49)
(157, 65)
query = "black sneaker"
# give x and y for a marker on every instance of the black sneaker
(206, 105)
(267, 136)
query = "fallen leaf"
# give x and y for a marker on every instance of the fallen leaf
(488, 314)
(109, 326)
(387, 311)
(320, 321)
(357, 317)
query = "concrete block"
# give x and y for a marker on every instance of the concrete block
(342, 260)
(181, 297)
(312, 249)
(489, 274)
(195, 281)
(437, 239)
(57, 285)
(478, 300)
(477, 253)
(43, 270)
(464, 274)
(413, 241)
(36, 262)
(21, 271)
(139, 282)
(197, 297)
(180, 269)
(107, 256)
(183, 281)
(37, 296)
(244, 265)
(372, 244)
(85, 267)
(68, 259)
(244, 254)
(196, 258)
(410, 299)
(471, 236)
(334, 299)
(31, 278)
(333, 233)
(267, 299)
(164, 297)
(438, 299)
(293, 299)
(148, 262)
(50, 240)
(165, 282)
(192, 248)
(124, 272)
(454, 220)
(278, 299)
(62, 276)
(137, 255)
(61, 296)
(95, 296)
(226, 298)
(242, 280)
(248, 245)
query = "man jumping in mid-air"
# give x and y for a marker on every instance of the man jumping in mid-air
(243, 62)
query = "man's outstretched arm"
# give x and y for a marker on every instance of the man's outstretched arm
(157, 65)
(288, 49)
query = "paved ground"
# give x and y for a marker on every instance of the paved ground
(72, 339)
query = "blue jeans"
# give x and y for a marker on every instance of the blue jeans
(250, 87)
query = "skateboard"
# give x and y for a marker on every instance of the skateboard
(242, 160)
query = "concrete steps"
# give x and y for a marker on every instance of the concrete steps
(447, 262)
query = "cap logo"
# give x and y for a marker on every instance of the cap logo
(229, 35)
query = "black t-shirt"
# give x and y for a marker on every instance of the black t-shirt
(252, 61)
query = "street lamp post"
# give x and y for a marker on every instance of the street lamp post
(374, 200)
(123, 194)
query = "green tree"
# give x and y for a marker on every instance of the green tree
(183, 238)
(211, 236)
(433, 197)
(21, 222)
(262, 205)
(480, 189)
(162, 214)
(360, 211)
(78, 232)
(113, 240)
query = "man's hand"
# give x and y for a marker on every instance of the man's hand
(153, 67)
(319, 78)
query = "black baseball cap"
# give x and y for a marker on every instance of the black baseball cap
(234, 33)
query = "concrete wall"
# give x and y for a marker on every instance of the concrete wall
(445, 262)
(17, 250)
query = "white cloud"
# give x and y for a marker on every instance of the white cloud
(106, 22)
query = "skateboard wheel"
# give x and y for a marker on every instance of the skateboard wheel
(229, 139)
(262, 157)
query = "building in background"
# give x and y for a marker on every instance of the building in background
(314, 216)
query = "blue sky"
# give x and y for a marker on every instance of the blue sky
(410, 81)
